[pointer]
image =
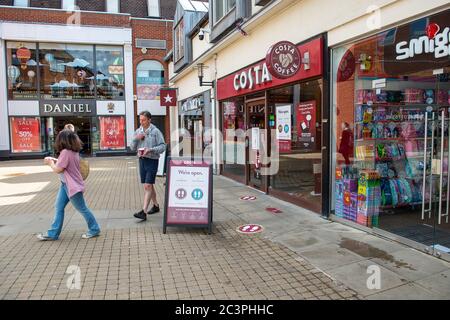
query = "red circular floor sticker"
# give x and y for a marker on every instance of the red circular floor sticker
(250, 228)
(273, 210)
(248, 198)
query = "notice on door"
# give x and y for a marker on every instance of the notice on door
(306, 125)
(284, 128)
(188, 193)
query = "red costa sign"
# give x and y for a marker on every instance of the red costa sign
(257, 76)
(283, 60)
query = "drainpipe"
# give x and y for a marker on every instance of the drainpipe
(215, 124)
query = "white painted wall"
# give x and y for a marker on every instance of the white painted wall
(23, 108)
(4, 134)
(153, 106)
(129, 81)
(301, 20)
(200, 46)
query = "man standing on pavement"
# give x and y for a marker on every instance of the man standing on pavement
(149, 143)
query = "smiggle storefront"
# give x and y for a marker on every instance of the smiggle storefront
(391, 99)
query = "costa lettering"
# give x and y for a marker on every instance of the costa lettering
(283, 60)
(254, 76)
(433, 42)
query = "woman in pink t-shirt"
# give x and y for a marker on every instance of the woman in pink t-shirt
(68, 145)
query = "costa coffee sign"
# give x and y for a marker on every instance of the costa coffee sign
(256, 75)
(283, 59)
(281, 66)
(421, 45)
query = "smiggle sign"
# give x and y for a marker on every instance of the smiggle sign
(432, 42)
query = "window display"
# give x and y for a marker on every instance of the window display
(149, 79)
(66, 71)
(110, 73)
(392, 133)
(21, 69)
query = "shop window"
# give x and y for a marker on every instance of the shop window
(21, 70)
(113, 6)
(21, 3)
(221, 8)
(66, 71)
(153, 8)
(149, 79)
(384, 87)
(68, 5)
(294, 119)
(110, 73)
(179, 41)
(234, 131)
(25, 134)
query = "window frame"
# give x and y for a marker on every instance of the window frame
(21, 6)
(225, 12)
(148, 8)
(107, 6)
(179, 38)
(72, 8)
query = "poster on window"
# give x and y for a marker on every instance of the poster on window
(306, 125)
(112, 133)
(25, 135)
(148, 91)
(283, 127)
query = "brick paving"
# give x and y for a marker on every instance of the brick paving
(136, 260)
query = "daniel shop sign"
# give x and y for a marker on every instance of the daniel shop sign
(67, 108)
(281, 66)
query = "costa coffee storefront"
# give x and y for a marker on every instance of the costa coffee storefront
(271, 122)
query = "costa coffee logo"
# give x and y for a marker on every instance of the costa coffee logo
(283, 60)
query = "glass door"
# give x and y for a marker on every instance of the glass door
(256, 144)
(435, 189)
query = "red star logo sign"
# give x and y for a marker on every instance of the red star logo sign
(168, 97)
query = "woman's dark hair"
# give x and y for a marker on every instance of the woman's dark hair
(146, 114)
(69, 140)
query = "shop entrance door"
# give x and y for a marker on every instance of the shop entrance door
(82, 129)
(256, 144)
(435, 189)
(427, 180)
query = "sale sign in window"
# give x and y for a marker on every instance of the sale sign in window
(112, 133)
(25, 134)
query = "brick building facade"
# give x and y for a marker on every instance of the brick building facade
(96, 28)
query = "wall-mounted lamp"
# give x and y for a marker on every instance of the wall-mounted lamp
(200, 68)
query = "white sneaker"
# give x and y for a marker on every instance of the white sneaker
(88, 236)
(44, 237)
